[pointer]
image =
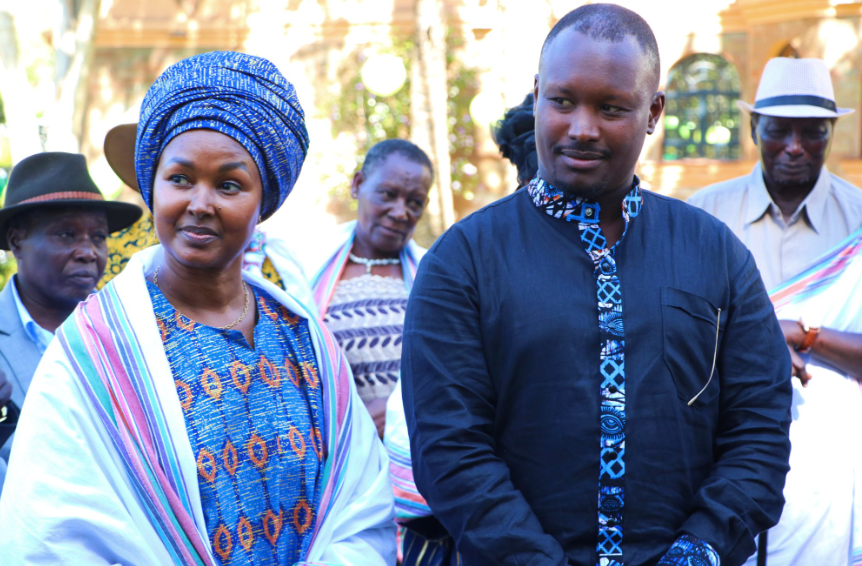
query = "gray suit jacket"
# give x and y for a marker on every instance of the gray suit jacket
(18, 354)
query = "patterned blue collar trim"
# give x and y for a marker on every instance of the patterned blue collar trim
(575, 209)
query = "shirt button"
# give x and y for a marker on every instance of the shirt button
(607, 266)
(613, 389)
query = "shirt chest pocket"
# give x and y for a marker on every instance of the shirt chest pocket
(691, 328)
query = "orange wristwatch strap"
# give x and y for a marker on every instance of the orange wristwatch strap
(811, 333)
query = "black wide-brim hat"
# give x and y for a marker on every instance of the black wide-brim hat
(59, 180)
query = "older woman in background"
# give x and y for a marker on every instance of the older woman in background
(188, 413)
(361, 273)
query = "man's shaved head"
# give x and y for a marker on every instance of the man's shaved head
(609, 22)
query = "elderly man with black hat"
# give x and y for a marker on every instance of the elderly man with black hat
(56, 223)
(790, 211)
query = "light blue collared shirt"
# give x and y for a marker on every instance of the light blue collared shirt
(36, 333)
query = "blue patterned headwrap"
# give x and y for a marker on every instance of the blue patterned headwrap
(239, 95)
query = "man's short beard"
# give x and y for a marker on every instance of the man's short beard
(590, 192)
(791, 185)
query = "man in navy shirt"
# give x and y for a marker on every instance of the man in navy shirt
(592, 373)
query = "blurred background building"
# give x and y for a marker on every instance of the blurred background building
(434, 71)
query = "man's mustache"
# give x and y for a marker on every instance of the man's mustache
(585, 149)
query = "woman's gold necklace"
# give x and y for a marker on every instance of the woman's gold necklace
(229, 326)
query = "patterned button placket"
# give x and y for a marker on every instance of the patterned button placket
(612, 442)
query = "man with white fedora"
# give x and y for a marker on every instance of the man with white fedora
(56, 223)
(790, 211)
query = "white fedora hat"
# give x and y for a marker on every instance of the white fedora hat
(795, 88)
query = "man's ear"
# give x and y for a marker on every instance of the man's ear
(753, 123)
(535, 92)
(356, 182)
(656, 107)
(15, 236)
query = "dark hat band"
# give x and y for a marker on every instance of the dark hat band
(796, 100)
(64, 195)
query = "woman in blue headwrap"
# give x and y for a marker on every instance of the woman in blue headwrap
(189, 413)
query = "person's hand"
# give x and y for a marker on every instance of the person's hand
(5, 389)
(377, 410)
(798, 367)
(794, 336)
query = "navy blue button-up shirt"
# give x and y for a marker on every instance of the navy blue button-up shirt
(501, 368)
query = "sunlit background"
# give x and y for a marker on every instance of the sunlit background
(436, 72)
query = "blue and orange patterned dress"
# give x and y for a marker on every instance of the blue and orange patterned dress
(254, 417)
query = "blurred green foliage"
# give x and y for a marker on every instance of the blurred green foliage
(463, 84)
(369, 118)
(8, 267)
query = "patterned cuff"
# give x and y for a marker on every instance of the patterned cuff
(690, 550)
